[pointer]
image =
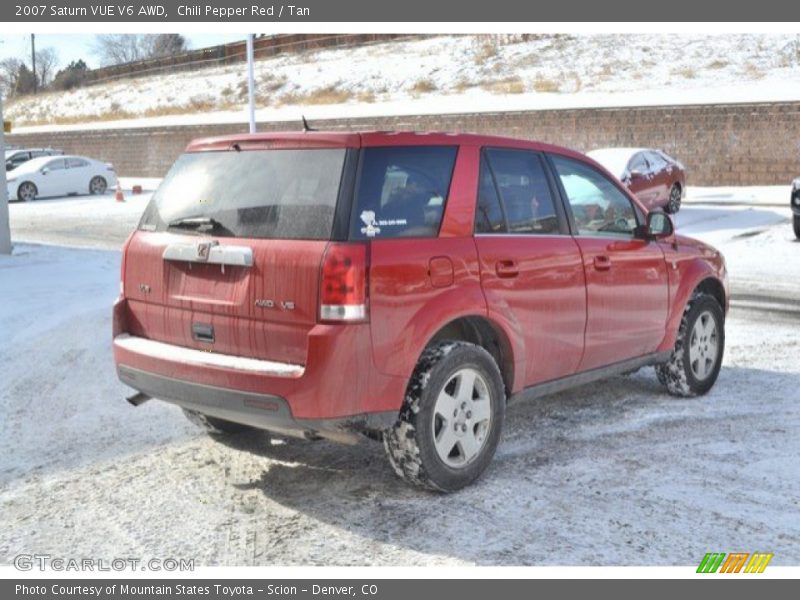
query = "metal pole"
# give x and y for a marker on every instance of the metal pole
(33, 60)
(251, 84)
(5, 231)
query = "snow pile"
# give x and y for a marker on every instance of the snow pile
(450, 73)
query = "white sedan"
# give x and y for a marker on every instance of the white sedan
(59, 176)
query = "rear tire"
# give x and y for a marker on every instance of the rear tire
(26, 192)
(695, 362)
(213, 425)
(674, 202)
(98, 186)
(796, 223)
(451, 421)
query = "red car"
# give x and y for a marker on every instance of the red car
(657, 179)
(402, 287)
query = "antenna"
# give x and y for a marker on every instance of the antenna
(306, 126)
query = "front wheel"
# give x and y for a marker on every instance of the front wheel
(696, 359)
(674, 202)
(451, 421)
(797, 226)
(98, 185)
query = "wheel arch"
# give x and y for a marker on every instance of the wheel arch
(483, 332)
(713, 286)
(702, 280)
(21, 183)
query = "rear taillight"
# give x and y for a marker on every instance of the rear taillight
(343, 284)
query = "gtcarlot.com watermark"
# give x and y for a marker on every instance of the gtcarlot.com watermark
(45, 562)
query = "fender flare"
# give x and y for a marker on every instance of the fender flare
(460, 304)
(694, 277)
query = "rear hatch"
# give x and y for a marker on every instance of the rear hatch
(227, 254)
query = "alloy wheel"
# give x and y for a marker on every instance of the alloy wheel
(462, 418)
(703, 346)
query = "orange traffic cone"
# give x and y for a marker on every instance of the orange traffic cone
(119, 197)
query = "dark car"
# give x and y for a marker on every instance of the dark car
(657, 179)
(15, 158)
(795, 202)
(402, 286)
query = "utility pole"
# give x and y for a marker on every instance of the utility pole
(251, 84)
(33, 60)
(5, 231)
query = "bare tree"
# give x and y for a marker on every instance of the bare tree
(9, 73)
(16, 78)
(120, 48)
(166, 44)
(46, 63)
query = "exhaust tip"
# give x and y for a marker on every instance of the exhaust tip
(138, 398)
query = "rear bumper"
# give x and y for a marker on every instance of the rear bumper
(263, 411)
(336, 389)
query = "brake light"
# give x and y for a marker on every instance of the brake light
(343, 285)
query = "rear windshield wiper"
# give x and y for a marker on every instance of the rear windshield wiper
(200, 224)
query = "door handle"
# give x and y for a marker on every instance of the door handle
(506, 268)
(602, 263)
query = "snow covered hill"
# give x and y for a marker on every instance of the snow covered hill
(450, 73)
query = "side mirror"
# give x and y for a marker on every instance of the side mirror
(45, 171)
(636, 173)
(658, 226)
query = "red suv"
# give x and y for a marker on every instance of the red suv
(402, 287)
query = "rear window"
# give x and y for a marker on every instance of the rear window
(401, 191)
(269, 194)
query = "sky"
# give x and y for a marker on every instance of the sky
(71, 46)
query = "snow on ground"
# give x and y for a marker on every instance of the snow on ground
(752, 227)
(616, 473)
(89, 221)
(442, 75)
(754, 195)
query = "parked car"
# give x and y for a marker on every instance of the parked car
(795, 204)
(16, 156)
(403, 286)
(59, 176)
(657, 179)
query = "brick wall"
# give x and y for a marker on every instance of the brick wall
(736, 144)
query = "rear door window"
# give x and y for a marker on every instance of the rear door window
(489, 214)
(524, 191)
(268, 194)
(401, 191)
